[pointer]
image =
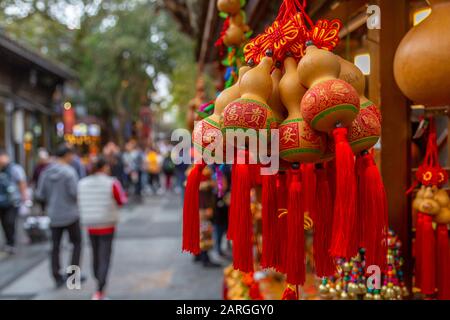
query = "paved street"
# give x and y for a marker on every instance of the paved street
(147, 262)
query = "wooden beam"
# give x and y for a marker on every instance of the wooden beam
(353, 24)
(208, 30)
(396, 129)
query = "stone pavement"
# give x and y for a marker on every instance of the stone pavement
(147, 262)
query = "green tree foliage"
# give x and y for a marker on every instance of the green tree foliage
(119, 48)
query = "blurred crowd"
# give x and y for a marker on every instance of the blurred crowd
(67, 193)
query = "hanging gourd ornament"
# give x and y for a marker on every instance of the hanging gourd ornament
(421, 63)
(431, 201)
(365, 131)
(298, 141)
(234, 36)
(329, 102)
(232, 7)
(251, 111)
(239, 20)
(208, 130)
(331, 105)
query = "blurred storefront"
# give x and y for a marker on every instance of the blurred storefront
(31, 88)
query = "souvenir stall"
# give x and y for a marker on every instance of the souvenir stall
(328, 224)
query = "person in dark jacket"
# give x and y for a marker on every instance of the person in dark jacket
(57, 188)
(13, 186)
(220, 218)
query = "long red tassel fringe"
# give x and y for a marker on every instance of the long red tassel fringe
(418, 249)
(232, 210)
(373, 214)
(323, 262)
(270, 246)
(242, 233)
(343, 238)
(309, 191)
(281, 232)
(295, 264)
(443, 262)
(191, 215)
(427, 256)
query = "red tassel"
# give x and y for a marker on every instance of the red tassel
(295, 261)
(232, 210)
(290, 293)
(417, 249)
(270, 247)
(443, 262)
(191, 215)
(330, 166)
(281, 232)
(428, 256)
(309, 192)
(323, 262)
(343, 240)
(372, 211)
(242, 218)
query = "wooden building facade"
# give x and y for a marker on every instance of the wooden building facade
(31, 93)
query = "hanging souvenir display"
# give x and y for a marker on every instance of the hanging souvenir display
(206, 132)
(294, 83)
(431, 203)
(421, 65)
(351, 282)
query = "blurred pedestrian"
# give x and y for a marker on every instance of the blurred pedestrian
(57, 187)
(77, 164)
(133, 158)
(222, 201)
(99, 196)
(13, 193)
(113, 156)
(42, 162)
(168, 170)
(153, 161)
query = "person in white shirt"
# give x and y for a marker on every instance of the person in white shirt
(100, 197)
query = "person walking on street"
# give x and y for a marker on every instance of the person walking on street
(113, 156)
(168, 169)
(57, 188)
(222, 201)
(99, 197)
(153, 170)
(42, 163)
(13, 193)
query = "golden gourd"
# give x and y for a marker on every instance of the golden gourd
(231, 7)
(422, 64)
(329, 102)
(298, 141)
(208, 130)
(251, 111)
(365, 131)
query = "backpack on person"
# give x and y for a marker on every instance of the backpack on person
(8, 188)
(168, 165)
